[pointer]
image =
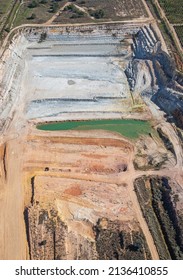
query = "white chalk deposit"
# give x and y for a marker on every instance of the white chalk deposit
(69, 75)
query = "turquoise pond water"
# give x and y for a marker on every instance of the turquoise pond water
(128, 128)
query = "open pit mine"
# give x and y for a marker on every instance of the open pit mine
(91, 144)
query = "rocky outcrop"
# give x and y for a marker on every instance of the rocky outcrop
(146, 45)
(149, 61)
(152, 70)
(151, 154)
(172, 103)
(141, 76)
(11, 68)
(55, 33)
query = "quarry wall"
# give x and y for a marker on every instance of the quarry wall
(152, 72)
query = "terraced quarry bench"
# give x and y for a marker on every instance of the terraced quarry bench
(73, 190)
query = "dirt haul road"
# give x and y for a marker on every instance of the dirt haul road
(12, 230)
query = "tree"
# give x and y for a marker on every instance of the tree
(33, 16)
(33, 4)
(42, 37)
(54, 8)
(97, 14)
(43, 1)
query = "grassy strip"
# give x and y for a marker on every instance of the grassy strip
(166, 214)
(10, 6)
(157, 202)
(179, 31)
(173, 10)
(5, 4)
(145, 200)
(10, 19)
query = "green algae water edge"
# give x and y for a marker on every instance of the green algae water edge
(129, 128)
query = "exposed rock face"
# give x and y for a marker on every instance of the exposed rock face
(171, 102)
(150, 154)
(54, 33)
(10, 76)
(147, 46)
(140, 75)
(179, 78)
(154, 69)
(149, 59)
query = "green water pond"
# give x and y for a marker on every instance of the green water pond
(129, 128)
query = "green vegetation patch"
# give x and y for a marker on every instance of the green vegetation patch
(97, 14)
(37, 11)
(145, 200)
(129, 128)
(173, 10)
(75, 12)
(116, 244)
(158, 204)
(40, 11)
(179, 31)
(7, 13)
(4, 6)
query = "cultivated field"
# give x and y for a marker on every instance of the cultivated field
(179, 31)
(5, 8)
(173, 10)
(169, 16)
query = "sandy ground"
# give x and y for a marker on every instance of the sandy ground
(13, 239)
(79, 163)
(83, 161)
(90, 165)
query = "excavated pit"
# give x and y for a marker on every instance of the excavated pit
(79, 199)
(76, 74)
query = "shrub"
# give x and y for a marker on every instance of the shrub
(33, 4)
(54, 7)
(43, 1)
(33, 16)
(42, 37)
(97, 14)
